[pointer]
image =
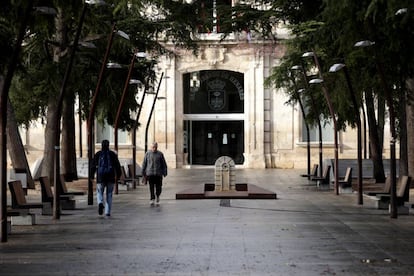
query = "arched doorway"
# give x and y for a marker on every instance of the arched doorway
(213, 116)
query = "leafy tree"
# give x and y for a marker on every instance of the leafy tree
(46, 54)
(332, 34)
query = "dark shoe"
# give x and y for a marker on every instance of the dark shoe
(108, 215)
(100, 208)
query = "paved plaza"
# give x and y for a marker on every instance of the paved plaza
(305, 231)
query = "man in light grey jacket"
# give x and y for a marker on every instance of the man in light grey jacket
(154, 168)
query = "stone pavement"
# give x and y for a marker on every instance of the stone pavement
(306, 231)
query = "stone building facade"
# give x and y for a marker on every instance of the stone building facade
(215, 104)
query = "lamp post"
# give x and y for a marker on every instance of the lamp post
(364, 122)
(297, 93)
(335, 68)
(56, 195)
(5, 87)
(136, 123)
(121, 103)
(93, 106)
(152, 111)
(331, 111)
(134, 130)
(390, 103)
(305, 79)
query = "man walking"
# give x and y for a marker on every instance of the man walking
(154, 168)
(107, 166)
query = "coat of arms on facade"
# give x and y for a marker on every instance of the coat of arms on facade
(216, 94)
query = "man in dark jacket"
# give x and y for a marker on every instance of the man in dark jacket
(108, 168)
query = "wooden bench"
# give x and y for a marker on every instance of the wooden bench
(325, 178)
(138, 172)
(13, 213)
(367, 167)
(63, 188)
(385, 190)
(383, 199)
(20, 208)
(402, 192)
(314, 171)
(66, 201)
(125, 181)
(124, 177)
(345, 184)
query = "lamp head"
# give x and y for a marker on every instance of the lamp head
(122, 34)
(336, 67)
(88, 45)
(316, 81)
(308, 54)
(45, 10)
(364, 43)
(141, 55)
(401, 11)
(134, 81)
(113, 65)
(296, 67)
(95, 2)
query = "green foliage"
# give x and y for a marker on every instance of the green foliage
(332, 31)
(47, 49)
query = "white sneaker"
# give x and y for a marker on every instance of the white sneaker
(152, 202)
(158, 200)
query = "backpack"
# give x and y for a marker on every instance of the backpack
(105, 168)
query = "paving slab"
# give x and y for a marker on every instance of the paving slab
(305, 231)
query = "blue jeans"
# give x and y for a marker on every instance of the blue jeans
(100, 195)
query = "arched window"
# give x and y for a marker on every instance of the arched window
(214, 91)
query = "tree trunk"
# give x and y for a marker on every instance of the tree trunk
(48, 154)
(375, 144)
(381, 121)
(15, 146)
(402, 119)
(69, 139)
(51, 117)
(410, 128)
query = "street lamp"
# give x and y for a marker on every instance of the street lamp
(121, 103)
(331, 111)
(335, 68)
(152, 111)
(134, 129)
(297, 93)
(93, 106)
(388, 95)
(136, 123)
(305, 79)
(327, 98)
(56, 195)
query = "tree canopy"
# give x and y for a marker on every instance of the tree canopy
(48, 42)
